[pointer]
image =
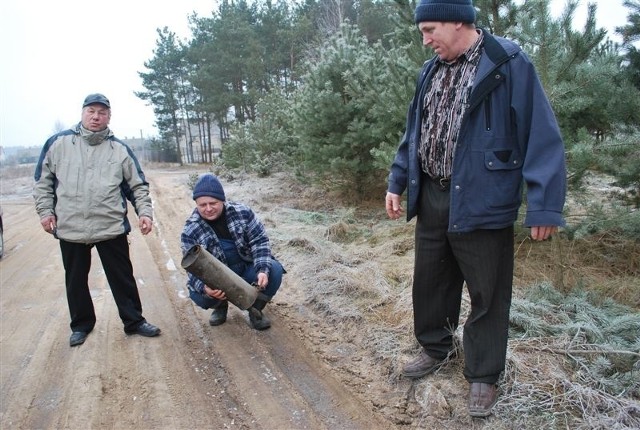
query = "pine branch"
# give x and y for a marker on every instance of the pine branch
(569, 352)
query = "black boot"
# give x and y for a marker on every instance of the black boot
(258, 320)
(219, 314)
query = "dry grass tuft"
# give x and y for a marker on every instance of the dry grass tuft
(339, 232)
(302, 243)
(605, 263)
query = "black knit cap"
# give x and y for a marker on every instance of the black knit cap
(208, 185)
(445, 11)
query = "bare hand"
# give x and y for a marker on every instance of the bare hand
(146, 225)
(49, 223)
(540, 233)
(214, 293)
(263, 280)
(393, 206)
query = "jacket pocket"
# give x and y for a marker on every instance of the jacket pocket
(504, 169)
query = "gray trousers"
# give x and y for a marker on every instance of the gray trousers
(443, 262)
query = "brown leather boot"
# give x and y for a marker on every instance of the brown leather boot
(420, 366)
(482, 398)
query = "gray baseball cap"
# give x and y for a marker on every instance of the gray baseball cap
(96, 98)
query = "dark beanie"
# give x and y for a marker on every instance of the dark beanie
(445, 11)
(208, 185)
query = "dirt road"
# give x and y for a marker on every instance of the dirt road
(192, 376)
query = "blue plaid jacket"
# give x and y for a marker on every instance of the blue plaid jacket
(248, 234)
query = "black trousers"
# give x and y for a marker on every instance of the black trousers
(114, 254)
(443, 262)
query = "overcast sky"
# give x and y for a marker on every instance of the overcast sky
(54, 53)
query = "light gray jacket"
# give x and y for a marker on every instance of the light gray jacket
(86, 185)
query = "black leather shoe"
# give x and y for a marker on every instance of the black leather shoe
(145, 329)
(420, 366)
(482, 398)
(78, 338)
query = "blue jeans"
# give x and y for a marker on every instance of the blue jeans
(246, 271)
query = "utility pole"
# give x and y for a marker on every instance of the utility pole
(144, 147)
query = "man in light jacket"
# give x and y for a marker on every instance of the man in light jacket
(478, 127)
(83, 179)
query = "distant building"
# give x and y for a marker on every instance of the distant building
(138, 145)
(194, 144)
(12, 155)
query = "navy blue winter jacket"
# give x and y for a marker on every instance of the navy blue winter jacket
(508, 137)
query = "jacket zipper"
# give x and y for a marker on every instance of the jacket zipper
(487, 113)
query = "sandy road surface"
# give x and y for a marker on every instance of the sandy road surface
(192, 376)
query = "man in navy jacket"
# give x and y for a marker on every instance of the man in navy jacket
(478, 128)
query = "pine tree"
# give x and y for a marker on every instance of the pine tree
(630, 34)
(164, 85)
